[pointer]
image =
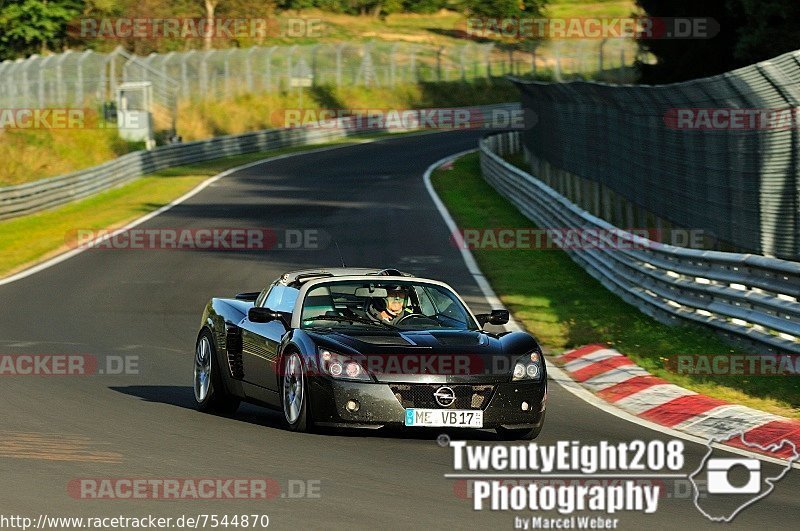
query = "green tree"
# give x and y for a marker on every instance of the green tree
(769, 28)
(505, 8)
(34, 26)
(297, 5)
(423, 6)
(376, 8)
(749, 31)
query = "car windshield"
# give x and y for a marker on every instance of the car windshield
(382, 305)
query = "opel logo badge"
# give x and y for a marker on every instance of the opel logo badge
(445, 396)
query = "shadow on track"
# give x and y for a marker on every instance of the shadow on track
(174, 395)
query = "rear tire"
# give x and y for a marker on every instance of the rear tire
(209, 388)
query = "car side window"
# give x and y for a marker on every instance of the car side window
(446, 306)
(318, 302)
(281, 299)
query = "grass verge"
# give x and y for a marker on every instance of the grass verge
(593, 8)
(565, 307)
(31, 154)
(29, 239)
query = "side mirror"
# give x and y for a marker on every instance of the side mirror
(257, 314)
(497, 317)
(261, 315)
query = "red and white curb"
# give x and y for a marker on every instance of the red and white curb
(618, 381)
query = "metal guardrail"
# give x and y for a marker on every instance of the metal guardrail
(46, 193)
(750, 299)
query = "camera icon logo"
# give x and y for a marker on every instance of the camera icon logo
(724, 487)
(719, 481)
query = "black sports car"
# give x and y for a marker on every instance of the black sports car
(368, 348)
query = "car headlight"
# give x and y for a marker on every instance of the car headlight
(528, 367)
(341, 367)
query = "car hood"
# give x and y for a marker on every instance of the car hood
(441, 356)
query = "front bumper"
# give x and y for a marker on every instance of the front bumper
(382, 404)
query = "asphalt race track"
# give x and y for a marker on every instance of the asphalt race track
(372, 200)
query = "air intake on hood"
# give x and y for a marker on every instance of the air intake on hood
(458, 339)
(399, 341)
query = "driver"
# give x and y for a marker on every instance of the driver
(391, 309)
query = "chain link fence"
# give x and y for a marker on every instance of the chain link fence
(705, 154)
(80, 79)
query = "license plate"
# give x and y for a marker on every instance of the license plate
(453, 418)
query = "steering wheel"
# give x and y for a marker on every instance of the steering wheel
(416, 316)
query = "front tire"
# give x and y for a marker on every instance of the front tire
(209, 389)
(294, 393)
